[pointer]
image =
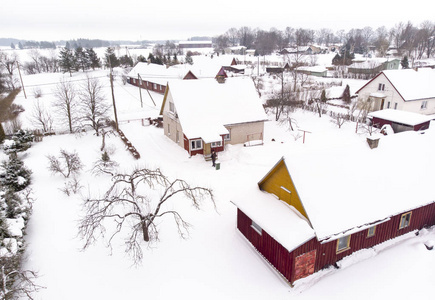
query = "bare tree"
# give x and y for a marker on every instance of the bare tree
(14, 282)
(66, 102)
(94, 108)
(67, 163)
(138, 199)
(41, 117)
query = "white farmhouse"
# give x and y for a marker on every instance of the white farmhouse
(205, 114)
(407, 90)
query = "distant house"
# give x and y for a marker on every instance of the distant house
(240, 50)
(195, 44)
(407, 90)
(276, 69)
(399, 120)
(206, 114)
(310, 211)
(318, 71)
(235, 67)
(370, 68)
(154, 77)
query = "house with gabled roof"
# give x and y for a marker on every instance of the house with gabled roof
(206, 114)
(407, 90)
(313, 209)
(154, 77)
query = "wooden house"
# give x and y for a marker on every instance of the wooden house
(313, 209)
(154, 77)
(399, 120)
(206, 114)
(407, 90)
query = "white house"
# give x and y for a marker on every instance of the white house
(203, 115)
(407, 90)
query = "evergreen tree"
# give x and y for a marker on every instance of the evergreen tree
(188, 59)
(93, 58)
(141, 58)
(21, 141)
(346, 94)
(404, 62)
(82, 59)
(12, 45)
(67, 61)
(111, 61)
(14, 176)
(20, 45)
(323, 96)
(126, 61)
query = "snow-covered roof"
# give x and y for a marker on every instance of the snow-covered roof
(400, 116)
(277, 218)
(156, 73)
(411, 84)
(345, 188)
(313, 68)
(204, 106)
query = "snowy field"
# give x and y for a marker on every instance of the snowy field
(215, 262)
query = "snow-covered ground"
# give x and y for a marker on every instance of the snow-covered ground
(215, 262)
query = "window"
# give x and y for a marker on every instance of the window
(227, 137)
(371, 231)
(381, 87)
(134, 81)
(405, 220)
(395, 105)
(343, 243)
(171, 107)
(169, 129)
(423, 105)
(216, 144)
(196, 144)
(177, 136)
(155, 86)
(388, 104)
(256, 227)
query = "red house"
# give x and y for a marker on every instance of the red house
(313, 209)
(399, 120)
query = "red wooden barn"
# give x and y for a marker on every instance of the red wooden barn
(313, 209)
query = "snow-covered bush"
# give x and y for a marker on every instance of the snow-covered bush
(14, 176)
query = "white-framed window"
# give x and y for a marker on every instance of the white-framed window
(371, 232)
(171, 107)
(381, 87)
(134, 81)
(227, 137)
(388, 104)
(155, 86)
(216, 144)
(177, 136)
(196, 144)
(395, 105)
(405, 220)
(257, 228)
(140, 82)
(423, 105)
(343, 243)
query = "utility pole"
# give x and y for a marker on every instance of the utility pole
(21, 78)
(140, 92)
(113, 94)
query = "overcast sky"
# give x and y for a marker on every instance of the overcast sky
(168, 19)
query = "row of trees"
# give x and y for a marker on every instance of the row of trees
(415, 41)
(78, 108)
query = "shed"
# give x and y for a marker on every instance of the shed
(399, 120)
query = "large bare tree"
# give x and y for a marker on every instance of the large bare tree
(66, 103)
(94, 108)
(138, 200)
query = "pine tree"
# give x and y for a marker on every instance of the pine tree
(67, 61)
(111, 61)
(93, 58)
(323, 96)
(21, 141)
(188, 59)
(404, 62)
(346, 94)
(82, 59)
(14, 175)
